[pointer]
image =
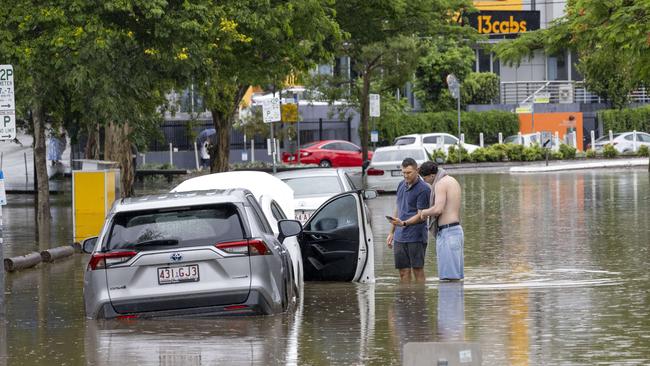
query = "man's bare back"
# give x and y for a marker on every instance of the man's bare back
(447, 201)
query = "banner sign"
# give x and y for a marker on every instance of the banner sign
(504, 23)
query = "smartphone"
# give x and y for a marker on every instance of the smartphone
(390, 218)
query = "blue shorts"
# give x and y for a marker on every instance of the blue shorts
(409, 255)
(449, 253)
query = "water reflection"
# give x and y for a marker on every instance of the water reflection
(451, 312)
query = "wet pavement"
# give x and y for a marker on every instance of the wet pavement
(556, 273)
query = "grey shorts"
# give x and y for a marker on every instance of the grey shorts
(409, 255)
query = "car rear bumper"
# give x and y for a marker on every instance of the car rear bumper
(255, 304)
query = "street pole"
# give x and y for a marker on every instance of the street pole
(460, 156)
(2, 258)
(273, 148)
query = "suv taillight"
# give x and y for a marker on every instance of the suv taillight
(105, 260)
(373, 171)
(246, 247)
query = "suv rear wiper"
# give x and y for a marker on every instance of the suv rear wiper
(156, 242)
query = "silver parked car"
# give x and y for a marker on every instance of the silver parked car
(186, 254)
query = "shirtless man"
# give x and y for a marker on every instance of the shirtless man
(445, 213)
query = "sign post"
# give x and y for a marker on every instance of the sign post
(374, 111)
(7, 103)
(454, 89)
(272, 112)
(3, 201)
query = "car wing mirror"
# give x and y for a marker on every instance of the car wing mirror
(369, 194)
(288, 228)
(87, 245)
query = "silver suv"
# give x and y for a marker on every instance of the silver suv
(191, 253)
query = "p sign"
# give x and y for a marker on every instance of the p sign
(7, 103)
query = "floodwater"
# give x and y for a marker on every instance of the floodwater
(556, 273)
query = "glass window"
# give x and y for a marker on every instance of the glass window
(347, 177)
(431, 139)
(338, 213)
(404, 141)
(178, 228)
(348, 146)
(629, 137)
(483, 61)
(557, 67)
(277, 212)
(257, 211)
(606, 137)
(330, 146)
(314, 186)
(397, 155)
(450, 140)
(643, 137)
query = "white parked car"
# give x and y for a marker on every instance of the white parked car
(528, 139)
(623, 142)
(312, 187)
(385, 170)
(430, 141)
(336, 243)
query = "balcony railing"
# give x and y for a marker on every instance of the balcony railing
(558, 91)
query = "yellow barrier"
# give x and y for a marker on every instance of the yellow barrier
(93, 194)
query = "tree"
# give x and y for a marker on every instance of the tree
(611, 39)
(386, 39)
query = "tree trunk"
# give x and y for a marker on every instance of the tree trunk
(92, 145)
(222, 122)
(43, 187)
(363, 130)
(117, 147)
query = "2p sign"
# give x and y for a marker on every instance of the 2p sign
(7, 103)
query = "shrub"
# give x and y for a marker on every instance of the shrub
(643, 151)
(452, 157)
(533, 152)
(627, 119)
(479, 155)
(556, 155)
(438, 153)
(567, 151)
(515, 152)
(609, 151)
(591, 153)
(497, 152)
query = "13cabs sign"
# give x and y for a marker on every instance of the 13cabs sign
(504, 23)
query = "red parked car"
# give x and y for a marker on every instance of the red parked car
(328, 153)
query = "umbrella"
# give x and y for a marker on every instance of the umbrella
(208, 133)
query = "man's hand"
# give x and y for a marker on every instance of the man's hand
(389, 240)
(396, 222)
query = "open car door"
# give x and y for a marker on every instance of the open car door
(336, 242)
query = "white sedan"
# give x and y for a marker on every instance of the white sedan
(623, 142)
(385, 169)
(312, 187)
(430, 141)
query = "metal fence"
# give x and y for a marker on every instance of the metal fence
(559, 91)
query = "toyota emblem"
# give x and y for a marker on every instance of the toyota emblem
(176, 257)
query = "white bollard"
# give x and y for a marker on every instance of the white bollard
(252, 151)
(462, 139)
(171, 155)
(634, 144)
(520, 138)
(611, 137)
(196, 156)
(557, 138)
(500, 138)
(539, 138)
(480, 139)
(593, 138)
(268, 147)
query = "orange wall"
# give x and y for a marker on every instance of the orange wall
(552, 122)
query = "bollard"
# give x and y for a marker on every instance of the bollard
(22, 262)
(592, 134)
(50, 255)
(480, 139)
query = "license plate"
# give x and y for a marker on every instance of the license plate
(396, 173)
(303, 216)
(169, 275)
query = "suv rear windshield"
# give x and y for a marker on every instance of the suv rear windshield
(404, 141)
(175, 227)
(397, 155)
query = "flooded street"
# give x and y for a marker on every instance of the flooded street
(555, 266)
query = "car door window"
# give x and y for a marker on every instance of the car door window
(257, 212)
(277, 212)
(347, 178)
(644, 137)
(450, 140)
(336, 214)
(331, 146)
(430, 140)
(348, 147)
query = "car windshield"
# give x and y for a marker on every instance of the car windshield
(404, 141)
(309, 144)
(397, 155)
(606, 137)
(511, 139)
(175, 228)
(314, 186)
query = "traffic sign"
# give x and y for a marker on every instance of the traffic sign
(3, 195)
(454, 86)
(7, 103)
(374, 105)
(271, 110)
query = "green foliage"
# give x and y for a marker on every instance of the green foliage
(624, 120)
(480, 88)
(497, 152)
(533, 153)
(479, 155)
(452, 156)
(555, 155)
(609, 151)
(438, 153)
(591, 153)
(514, 152)
(567, 151)
(490, 123)
(643, 151)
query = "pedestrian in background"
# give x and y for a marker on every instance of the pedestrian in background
(205, 154)
(444, 215)
(408, 232)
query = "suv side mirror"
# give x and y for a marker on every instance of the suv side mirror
(87, 245)
(288, 228)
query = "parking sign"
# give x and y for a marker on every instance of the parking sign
(7, 103)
